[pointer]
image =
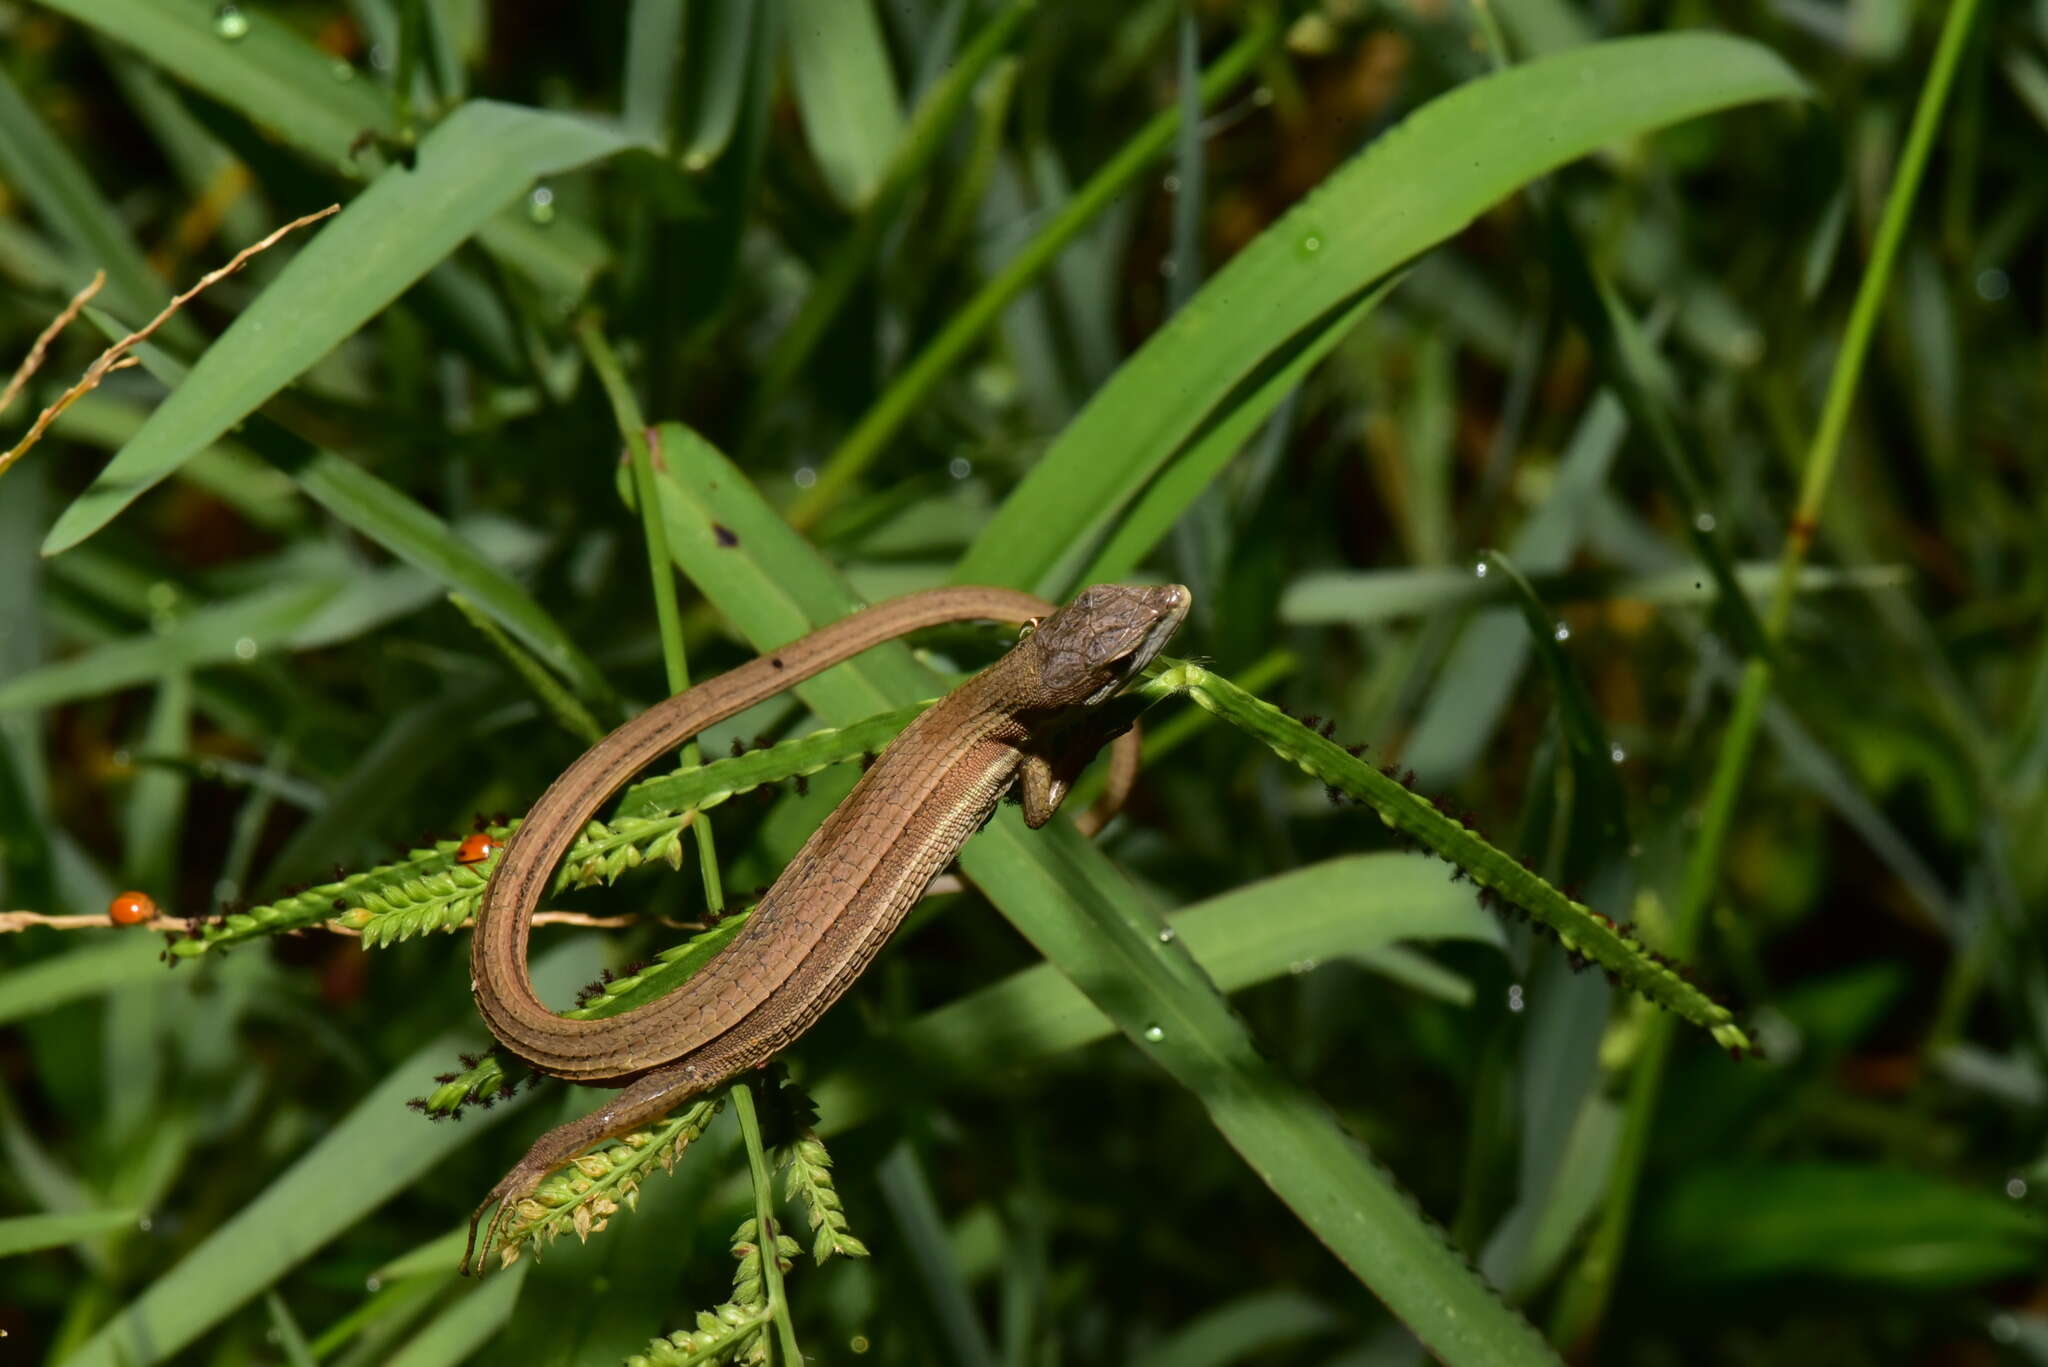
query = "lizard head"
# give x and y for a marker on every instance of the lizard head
(1091, 647)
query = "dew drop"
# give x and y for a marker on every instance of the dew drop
(230, 23)
(1263, 96)
(1170, 184)
(373, 1284)
(1168, 267)
(858, 1344)
(1993, 284)
(1167, 935)
(145, 1224)
(1301, 966)
(1617, 754)
(959, 467)
(1704, 523)
(2004, 1327)
(1311, 243)
(245, 648)
(2016, 1188)
(340, 70)
(1154, 1033)
(1563, 632)
(1515, 1002)
(540, 205)
(1479, 570)
(805, 476)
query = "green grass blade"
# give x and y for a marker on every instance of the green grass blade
(88, 971)
(1881, 1227)
(930, 127)
(377, 1150)
(969, 323)
(269, 72)
(654, 53)
(238, 628)
(717, 56)
(1352, 907)
(1411, 189)
(32, 1233)
(1155, 510)
(1599, 808)
(1258, 1323)
(1078, 910)
(1364, 596)
(409, 531)
(43, 172)
(948, 1300)
(398, 523)
(480, 159)
(845, 93)
(1577, 927)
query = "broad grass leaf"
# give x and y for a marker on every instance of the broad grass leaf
(1417, 185)
(472, 165)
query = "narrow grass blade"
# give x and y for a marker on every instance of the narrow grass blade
(1599, 809)
(717, 56)
(1878, 1226)
(1417, 185)
(42, 170)
(1353, 907)
(88, 971)
(374, 1152)
(474, 163)
(1159, 506)
(266, 70)
(32, 1233)
(1578, 928)
(1262, 1322)
(930, 127)
(654, 52)
(971, 322)
(845, 93)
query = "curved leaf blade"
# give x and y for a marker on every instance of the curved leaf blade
(1416, 186)
(480, 159)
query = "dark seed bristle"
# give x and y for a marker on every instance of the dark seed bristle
(803, 785)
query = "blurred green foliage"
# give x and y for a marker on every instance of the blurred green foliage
(917, 288)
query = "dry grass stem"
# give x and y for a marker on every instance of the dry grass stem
(116, 356)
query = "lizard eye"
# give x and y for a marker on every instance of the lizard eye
(1031, 624)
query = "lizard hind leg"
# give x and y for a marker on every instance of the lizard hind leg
(646, 1099)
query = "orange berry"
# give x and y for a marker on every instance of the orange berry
(132, 909)
(477, 848)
